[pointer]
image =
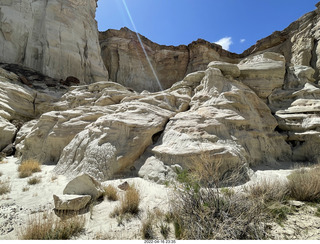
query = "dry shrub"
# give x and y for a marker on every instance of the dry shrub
(27, 168)
(46, 227)
(202, 212)
(268, 191)
(4, 187)
(34, 180)
(110, 192)
(304, 184)
(129, 203)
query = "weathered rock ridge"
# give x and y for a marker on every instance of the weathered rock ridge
(226, 110)
(128, 65)
(57, 38)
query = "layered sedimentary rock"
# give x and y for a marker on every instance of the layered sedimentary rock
(298, 43)
(57, 38)
(227, 124)
(130, 64)
(225, 110)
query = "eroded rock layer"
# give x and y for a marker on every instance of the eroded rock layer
(130, 65)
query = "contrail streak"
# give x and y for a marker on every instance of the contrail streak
(144, 50)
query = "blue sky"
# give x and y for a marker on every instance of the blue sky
(237, 24)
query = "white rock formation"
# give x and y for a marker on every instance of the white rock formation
(56, 38)
(7, 133)
(227, 124)
(263, 73)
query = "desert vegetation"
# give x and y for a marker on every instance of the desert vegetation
(48, 227)
(4, 187)
(304, 184)
(34, 180)
(27, 168)
(156, 225)
(129, 203)
(203, 209)
(110, 192)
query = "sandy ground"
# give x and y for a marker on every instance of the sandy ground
(17, 206)
(26, 200)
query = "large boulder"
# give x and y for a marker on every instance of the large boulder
(71, 202)
(84, 184)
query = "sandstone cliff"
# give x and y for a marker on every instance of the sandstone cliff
(127, 63)
(57, 38)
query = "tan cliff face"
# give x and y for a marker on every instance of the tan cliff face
(57, 38)
(127, 63)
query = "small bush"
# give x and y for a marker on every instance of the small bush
(304, 184)
(34, 180)
(110, 192)
(45, 227)
(24, 189)
(147, 230)
(27, 168)
(1, 173)
(279, 212)
(4, 187)
(268, 191)
(129, 203)
(317, 212)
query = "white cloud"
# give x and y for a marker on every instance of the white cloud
(242, 40)
(225, 42)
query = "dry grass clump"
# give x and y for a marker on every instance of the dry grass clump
(268, 191)
(27, 168)
(304, 184)
(110, 192)
(46, 227)
(4, 187)
(34, 180)
(129, 203)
